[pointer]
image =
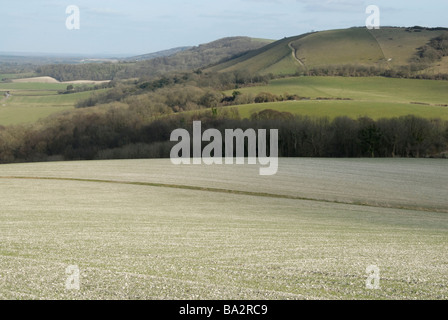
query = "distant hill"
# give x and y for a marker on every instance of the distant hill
(158, 54)
(385, 48)
(178, 59)
(389, 51)
(193, 58)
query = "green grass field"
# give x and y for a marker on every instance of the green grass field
(30, 102)
(26, 86)
(276, 58)
(346, 47)
(351, 109)
(145, 229)
(16, 75)
(374, 97)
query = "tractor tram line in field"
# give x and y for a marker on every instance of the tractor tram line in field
(232, 191)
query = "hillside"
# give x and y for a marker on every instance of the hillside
(193, 58)
(387, 48)
(276, 58)
(185, 60)
(158, 54)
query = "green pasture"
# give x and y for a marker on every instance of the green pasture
(374, 97)
(351, 109)
(30, 102)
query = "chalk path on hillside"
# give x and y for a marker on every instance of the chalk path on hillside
(295, 56)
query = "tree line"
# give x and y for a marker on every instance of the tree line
(72, 72)
(181, 91)
(120, 132)
(410, 71)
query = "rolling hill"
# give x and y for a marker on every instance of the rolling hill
(385, 48)
(184, 60)
(158, 54)
(196, 57)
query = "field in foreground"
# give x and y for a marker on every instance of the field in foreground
(147, 229)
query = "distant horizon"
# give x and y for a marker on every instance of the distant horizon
(112, 55)
(84, 55)
(137, 27)
(65, 55)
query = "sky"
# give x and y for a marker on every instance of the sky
(132, 27)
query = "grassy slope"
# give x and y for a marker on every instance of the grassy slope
(439, 67)
(374, 97)
(400, 45)
(357, 46)
(275, 57)
(351, 46)
(143, 242)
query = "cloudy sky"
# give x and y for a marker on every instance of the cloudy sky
(142, 26)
